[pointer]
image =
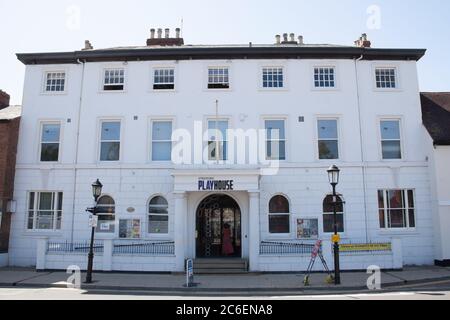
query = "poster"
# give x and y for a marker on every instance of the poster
(308, 229)
(130, 229)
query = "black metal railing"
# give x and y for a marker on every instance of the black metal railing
(282, 248)
(145, 248)
(73, 247)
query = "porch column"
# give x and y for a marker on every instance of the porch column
(254, 230)
(180, 229)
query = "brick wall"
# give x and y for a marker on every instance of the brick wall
(9, 131)
(4, 99)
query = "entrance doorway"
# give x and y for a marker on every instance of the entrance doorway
(218, 228)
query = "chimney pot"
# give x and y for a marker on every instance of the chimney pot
(300, 40)
(278, 39)
(152, 33)
(292, 37)
(167, 33)
(177, 31)
(88, 45)
(160, 33)
(285, 37)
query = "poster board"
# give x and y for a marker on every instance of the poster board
(130, 229)
(308, 229)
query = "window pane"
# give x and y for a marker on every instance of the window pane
(380, 199)
(395, 199)
(410, 199)
(162, 130)
(49, 152)
(275, 129)
(382, 219)
(327, 129)
(412, 221)
(50, 132)
(110, 131)
(328, 149)
(391, 150)
(46, 201)
(279, 204)
(328, 223)
(279, 224)
(222, 127)
(44, 220)
(397, 218)
(390, 130)
(328, 205)
(161, 151)
(158, 224)
(110, 151)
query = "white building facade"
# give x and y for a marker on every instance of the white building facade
(115, 115)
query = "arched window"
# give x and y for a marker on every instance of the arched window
(279, 215)
(328, 218)
(158, 216)
(106, 211)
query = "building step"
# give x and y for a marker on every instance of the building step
(220, 266)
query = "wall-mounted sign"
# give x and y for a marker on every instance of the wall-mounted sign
(307, 228)
(365, 247)
(129, 228)
(93, 221)
(131, 210)
(215, 185)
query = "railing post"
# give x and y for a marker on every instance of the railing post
(108, 247)
(41, 253)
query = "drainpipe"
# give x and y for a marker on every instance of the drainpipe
(75, 169)
(362, 148)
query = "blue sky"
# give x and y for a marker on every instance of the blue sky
(48, 25)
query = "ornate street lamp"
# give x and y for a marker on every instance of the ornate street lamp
(333, 177)
(96, 192)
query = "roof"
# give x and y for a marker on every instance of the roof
(249, 51)
(11, 112)
(436, 116)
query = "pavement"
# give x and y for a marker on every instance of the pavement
(223, 285)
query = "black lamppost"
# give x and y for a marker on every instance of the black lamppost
(96, 192)
(333, 177)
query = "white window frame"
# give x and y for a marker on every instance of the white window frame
(275, 118)
(218, 67)
(35, 210)
(380, 140)
(41, 128)
(158, 235)
(109, 68)
(1, 212)
(153, 83)
(290, 215)
(398, 79)
(220, 119)
(406, 209)
(336, 118)
(152, 121)
(99, 144)
(329, 67)
(261, 78)
(44, 81)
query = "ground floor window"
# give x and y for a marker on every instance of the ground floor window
(328, 214)
(158, 216)
(279, 215)
(396, 209)
(106, 211)
(44, 210)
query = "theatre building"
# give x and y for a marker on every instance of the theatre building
(219, 153)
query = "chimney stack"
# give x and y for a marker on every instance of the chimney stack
(166, 40)
(88, 45)
(278, 39)
(363, 42)
(4, 99)
(292, 37)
